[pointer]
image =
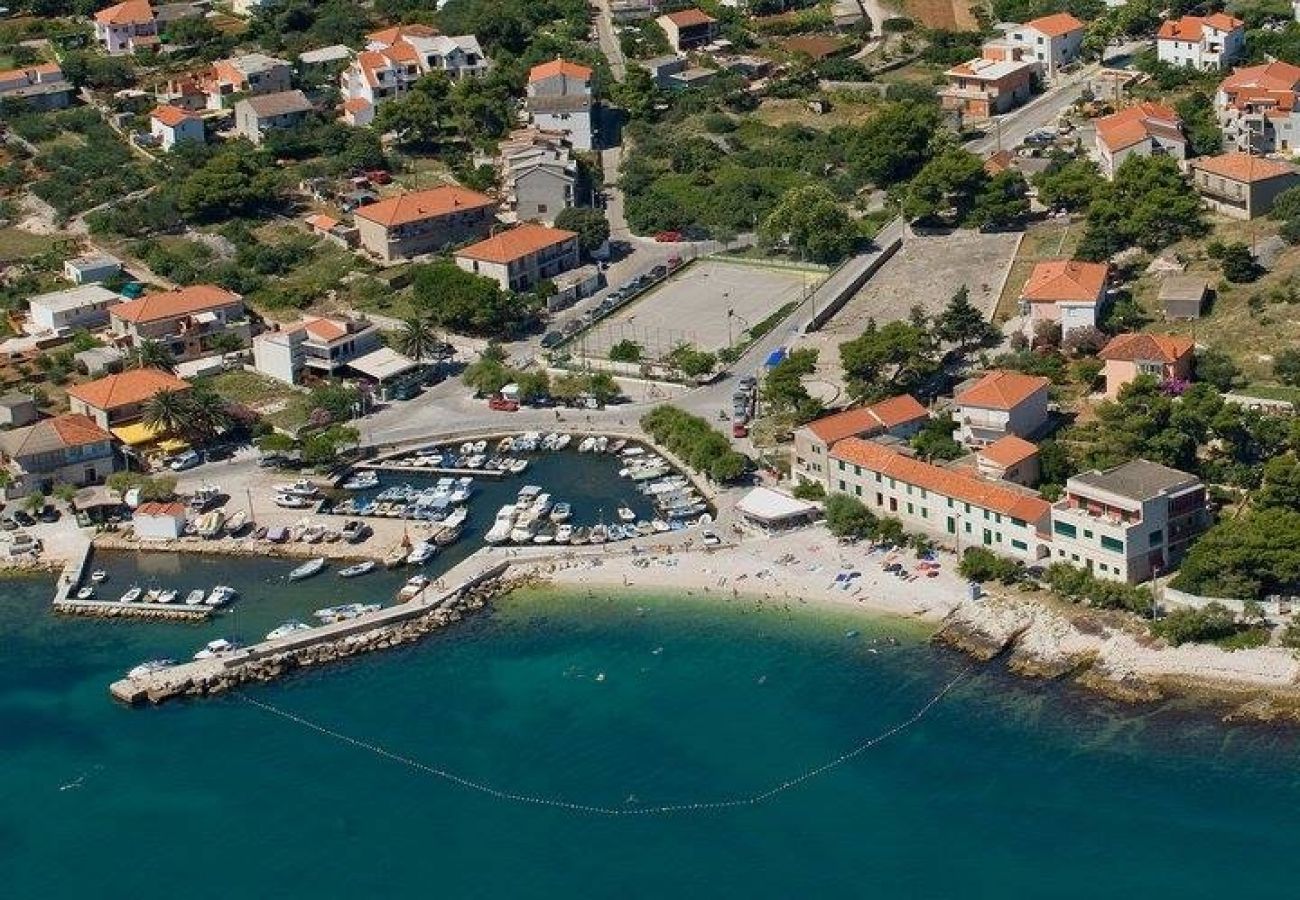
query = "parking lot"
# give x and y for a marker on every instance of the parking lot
(707, 304)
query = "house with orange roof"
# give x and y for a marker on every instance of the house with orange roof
(191, 322)
(521, 257)
(125, 27)
(1257, 107)
(1165, 357)
(1241, 185)
(999, 403)
(315, 347)
(952, 505)
(688, 28)
(395, 58)
(997, 81)
(1009, 458)
(408, 225)
(898, 417)
(1145, 129)
(1201, 42)
(67, 449)
(1065, 291)
(41, 86)
(121, 398)
(171, 125)
(562, 98)
(1051, 41)
(250, 75)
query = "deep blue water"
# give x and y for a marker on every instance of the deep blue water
(1007, 788)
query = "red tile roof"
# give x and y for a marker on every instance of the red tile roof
(1189, 28)
(558, 67)
(126, 388)
(174, 304)
(1244, 167)
(1270, 83)
(687, 18)
(171, 116)
(867, 420)
(517, 243)
(1065, 280)
(132, 12)
(325, 329)
(51, 435)
(160, 509)
(1055, 25)
(397, 32)
(1002, 389)
(960, 485)
(1166, 348)
(1009, 450)
(417, 206)
(1137, 124)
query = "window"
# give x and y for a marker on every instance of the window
(842, 486)
(952, 525)
(1156, 537)
(841, 464)
(857, 489)
(1065, 529)
(1019, 523)
(857, 470)
(909, 489)
(910, 511)
(1087, 533)
(1111, 544)
(1019, 545)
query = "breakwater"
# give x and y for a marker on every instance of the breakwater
(112, 609)
(272, 659)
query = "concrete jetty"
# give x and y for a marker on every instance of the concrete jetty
(267, 660)
(115, 609)
(73, 572)
(432, 470)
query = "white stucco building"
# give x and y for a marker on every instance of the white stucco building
(561, 97)
(1201, 42)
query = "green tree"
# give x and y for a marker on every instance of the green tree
(235, 181)
(1001, 202)
(935, 441)
(417, 338)
(1070, 184)
(962, 324)
(590, 224)
(533, 385)
(896, 358)
(981, 564)
(690, 362)
(626, 351)
(1149, 204)
(1217, 368)
(150, 354)
(1286, 366)
(894, 144)
(946, 187)
(1236, 261)
(470, 304)
(168, 411)
(35, 502)
(814, 222)
(1281, 485)
(848, 517)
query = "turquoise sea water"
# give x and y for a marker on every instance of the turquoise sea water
(1006, 788)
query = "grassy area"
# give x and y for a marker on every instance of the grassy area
(1053, 239)
(845, 109)
(16, 244)
(280, 404)
(1272, 392)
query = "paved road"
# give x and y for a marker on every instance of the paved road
(609, 44)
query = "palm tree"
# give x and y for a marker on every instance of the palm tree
(168, 411)
(154, 355)
(417, 338)
(207, 412)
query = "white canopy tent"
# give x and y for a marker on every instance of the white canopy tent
(772, 509)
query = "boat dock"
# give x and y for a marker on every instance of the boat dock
(431, 470)
(72, 574)
(115, 609)
(264, 661)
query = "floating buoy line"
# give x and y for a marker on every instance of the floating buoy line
(594, 809)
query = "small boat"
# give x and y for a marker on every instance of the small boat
(564, 534)
(308, 569)
(220, 596)
(145, 669)
(580, 535)
(210, 524)
(219, 647)
(300, 488)
(617, 446)
(194, 597)
(235, 524)
(517, 466)
(152, 595)
(561, 512)
(361, 481)
(563, 441)
(287, 629)
(462, 491)
(99, 576)
(413, 586)
(599, 534)
(545, 536)
(644, 528)
(360, 568)
(480, 446)
(354, 532)
(86, 593)
(167, 597)
(452, 527)
(505, 445)
(499, 533)
(602, 443)
(634, 450)
(660, 526)
(587, 445)
(421, 553)
(625, 513)
(132, 596)
(291, 501)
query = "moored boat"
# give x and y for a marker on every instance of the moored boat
(220, 595)
(132, 595)
(86, 593)
(194, 597)
(146, 669)
(561, 512)
(625, 513)
(421, 553)
(98, 576)
(219, 647)
(308, 569)
(360, 568)
(287, 629)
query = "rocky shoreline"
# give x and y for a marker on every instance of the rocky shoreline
(153, 612)
(1096, 651)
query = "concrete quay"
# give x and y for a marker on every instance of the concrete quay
(114, 609)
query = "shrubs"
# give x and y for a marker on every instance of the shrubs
(694, 441)
(1078, 586)
(981, 564)
(809, 490)
(1214, 623)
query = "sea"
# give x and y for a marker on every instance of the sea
(531, 750)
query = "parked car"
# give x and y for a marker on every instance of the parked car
(739, 430)
(501, 404)
(551, 339)
(748, 383)
(668, 237)
(48, 514)
(658, 271)
(187, 460)
(9, 523)
(272, 460)
(23, 519)
(220, 452)
(711, 539)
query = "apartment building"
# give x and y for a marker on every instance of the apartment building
(250, 75)
(319, 347)
(1201, 42)
(85, 306)
(395, 58)
(1065, 291)
(1165, 357)
(1000, 403)
(419, 222)
(255, 116)
(1257, 107)
(190, 321)
(1240, 185)
(898, 417)
(954, 506)
(40, 87)
(1146, 129)
(539, 175)
(989, 85)
(67, 449)
(1128, 523)
(1053, 41)
(126, 27)
(688, 28)
(121, 398)
(561, 98)
(521, 257)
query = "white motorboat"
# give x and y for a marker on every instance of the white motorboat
(194, 598)
(360, 568)
(308, 569)
(517, 466)
(617, 446)
(480, 446)
(505, 445)
(452, 527)
(146, 669)
(300, 488)
(563, 441)
(499, 533)
(599, 534)
(86, 593)
(291, 501)
(362, 481)
(625, 513)
(287, 629)
(602, 443)
(561, 512)
(235, 524)
(219, 647)
(413, 586)
(463, 489)
(564, 534)
(528, 493)
(421, 553)
(168, 596)
(99, 576)
(587, 445)
(345, 612)
(204, 496)
(210, 524)
(220, 596)
(132, 596)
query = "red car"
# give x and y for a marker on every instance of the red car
(740, 430)
(668, 237)
(503, 405)
(379, 176)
